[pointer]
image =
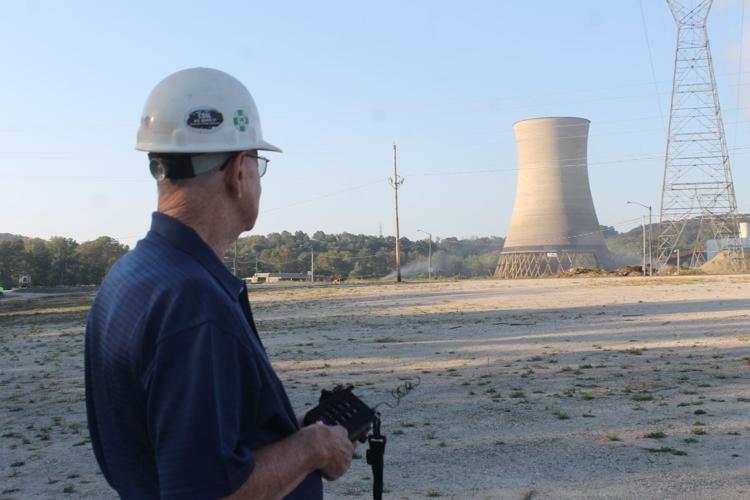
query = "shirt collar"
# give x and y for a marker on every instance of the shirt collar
(186, 239)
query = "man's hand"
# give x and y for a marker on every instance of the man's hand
(281, 466)
(337, 448)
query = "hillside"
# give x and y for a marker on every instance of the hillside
(626, 248)
(9, 237)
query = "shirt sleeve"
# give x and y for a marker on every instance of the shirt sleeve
(197, 388)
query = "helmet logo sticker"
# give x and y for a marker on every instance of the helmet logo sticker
(240, 120)
(204, 119)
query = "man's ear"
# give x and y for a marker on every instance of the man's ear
(233, 176)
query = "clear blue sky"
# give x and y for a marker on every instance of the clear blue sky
(337, 83)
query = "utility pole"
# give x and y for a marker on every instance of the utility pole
(312, 264)
(429, 264)
(395, 182)
(650, 239)
(643, 231)
(429, 252)
(650, 242)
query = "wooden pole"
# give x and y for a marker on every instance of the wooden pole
(395, 204)
(643, 230)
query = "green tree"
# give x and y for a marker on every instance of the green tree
(38, 261)
(96, 257)
(11, 262)
(64, 262)
(362, 256)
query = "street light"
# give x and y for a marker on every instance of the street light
(429, 265)
(650, 237)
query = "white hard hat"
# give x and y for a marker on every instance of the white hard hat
(200, 110)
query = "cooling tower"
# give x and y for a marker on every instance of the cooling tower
(554, 225)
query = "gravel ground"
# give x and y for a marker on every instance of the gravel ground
(558, 388)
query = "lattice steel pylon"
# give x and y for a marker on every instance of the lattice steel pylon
(697, 173)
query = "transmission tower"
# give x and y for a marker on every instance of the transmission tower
(697, 175)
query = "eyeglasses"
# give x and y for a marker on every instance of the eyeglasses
(262, 164)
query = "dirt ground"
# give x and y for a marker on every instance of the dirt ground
(558, 388)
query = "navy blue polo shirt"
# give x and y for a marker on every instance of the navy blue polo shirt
(179, 390)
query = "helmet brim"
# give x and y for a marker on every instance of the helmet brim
(266, 146)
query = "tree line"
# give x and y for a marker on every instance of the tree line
(63, 261)
(58, 261)
(626, 248)
(347, 255)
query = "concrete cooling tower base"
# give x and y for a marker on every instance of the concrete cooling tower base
(514, 265)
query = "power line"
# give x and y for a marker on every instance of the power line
(568, 163)
(651, 62)
(566, 92)
(739, 74)
(322, 196)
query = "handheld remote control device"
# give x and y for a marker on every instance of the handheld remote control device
(341, 407)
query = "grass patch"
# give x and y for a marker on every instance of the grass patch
(385, 340)
(48, 310)
(613, 437)
(666, 449)
(643, 397)
(655, 435)
(561, 415)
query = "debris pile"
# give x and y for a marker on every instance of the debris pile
(582, 271)
(726, 262)
(628, 271)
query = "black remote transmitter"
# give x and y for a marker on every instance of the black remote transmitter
(341, 407)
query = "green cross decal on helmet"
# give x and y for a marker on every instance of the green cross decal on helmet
(240, 120)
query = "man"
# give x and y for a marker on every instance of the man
(182, 400)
